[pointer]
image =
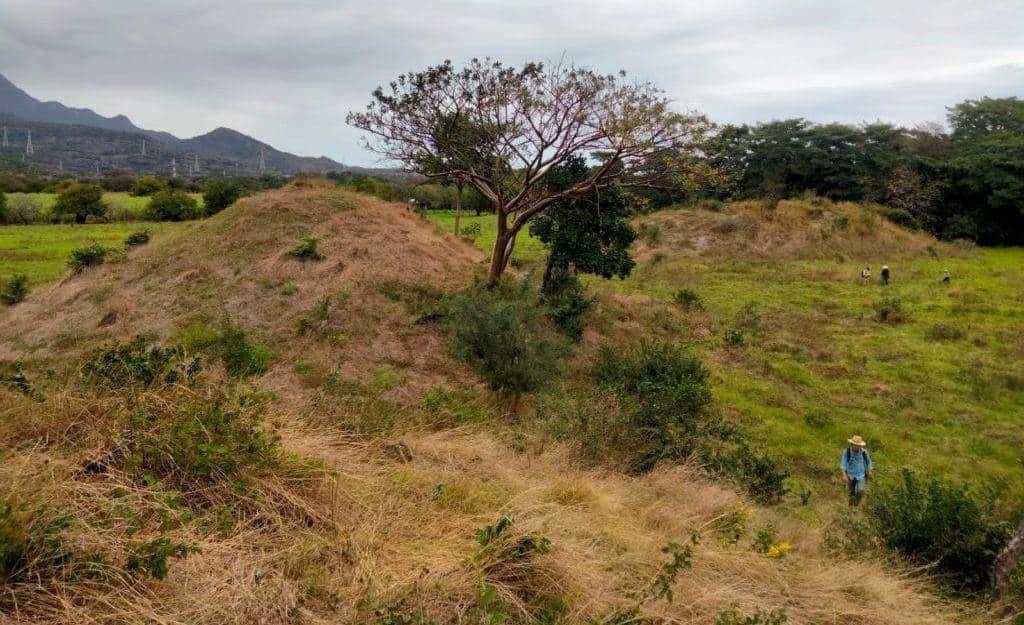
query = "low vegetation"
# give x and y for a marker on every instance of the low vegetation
(87, 256)
(14, 289)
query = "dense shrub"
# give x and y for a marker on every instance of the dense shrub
(934, 522)
(567, 303)
(137, 362)
(732, 457)
(470, 232)
(173, 205)
(79, 203)
(4, 211)
(666, 397)
(306, 249)
(87, 256)
(137, 238)
(230, 344)
(148, 185)
(25, 209)
(218, 194)
(14, 290)
(500, 338)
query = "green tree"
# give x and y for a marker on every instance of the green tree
(148, 185)
(219, 194)
(173, 205)
(4, 212)
(78, 202)
(588, 233)
(988, 167)
(526, 121)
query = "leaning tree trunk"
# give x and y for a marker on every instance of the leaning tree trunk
(1007, 559)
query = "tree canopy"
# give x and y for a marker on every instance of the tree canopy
(502, 129)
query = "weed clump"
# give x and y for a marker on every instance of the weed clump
(567, 303)
(306, 249)
(138, 362)
(87, 256)
(14, 290)
(136, 239)
(32, 542)
(470, 232)
(152, 557)
(945, 332)
(688, 299)
(228, 343)
(890, 310)
(760, 617)
(934, 522)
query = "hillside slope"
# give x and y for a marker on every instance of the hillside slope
(416, 458)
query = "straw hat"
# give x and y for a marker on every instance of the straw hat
(858, 441)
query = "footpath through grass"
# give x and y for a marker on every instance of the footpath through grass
(42, 252)
(801, 356)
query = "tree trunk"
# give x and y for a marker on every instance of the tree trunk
(1007, 559)
(498, 253)
(458, 207)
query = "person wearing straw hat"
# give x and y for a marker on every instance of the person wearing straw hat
(857, 468)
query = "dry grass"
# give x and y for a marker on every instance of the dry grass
(794, 229)
(370, 531)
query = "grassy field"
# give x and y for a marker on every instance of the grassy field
(527, 247)
(41, 252)
(120, 206)
(942, 385)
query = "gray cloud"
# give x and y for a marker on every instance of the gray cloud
(287, 71)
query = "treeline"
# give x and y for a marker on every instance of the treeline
(12, 181)
(967, 182)
(427, 195)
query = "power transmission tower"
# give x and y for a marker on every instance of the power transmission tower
(143, 147)
(263, 162)
(195, 164)
(97, 169)
(174, 168)
(29, 150)
(60, 165)
(5, 136)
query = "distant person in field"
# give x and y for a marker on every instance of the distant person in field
(885, 274)
(947, 277)
(857, 468)
(865, 273)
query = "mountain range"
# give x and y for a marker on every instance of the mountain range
(81, 141)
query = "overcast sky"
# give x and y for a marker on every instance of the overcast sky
(287, 71)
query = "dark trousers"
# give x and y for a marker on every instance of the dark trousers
(856, 487)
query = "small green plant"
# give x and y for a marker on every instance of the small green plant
(945, 332)
(306, 249)
(135, 239)
(890, 310)
(470, 232)
(14, 290)
(734, 337)
(765, 538)
(649, 232)
(87, 256)
(32, 542)
(842, 222)
(688, 299)
(229, 343)
(151, 557)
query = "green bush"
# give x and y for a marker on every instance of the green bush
(5, 215)
(470, 232)
(31, 542)
(151, 557)
(219, 194)
(87, 256)
(148, 185)
(567, 303)
(934, 522)
(688, 299)
(230, 344)
(137, 238)
(173, 205)
(665, 395)
(137, 362)
(500, 338)
(306, 249)
(734, 458)
(14, 290)
(80, 203)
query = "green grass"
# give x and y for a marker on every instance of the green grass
(821, 368)
(528, 249)
(120, 206)
(41, 252)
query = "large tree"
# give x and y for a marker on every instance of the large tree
(522, 122)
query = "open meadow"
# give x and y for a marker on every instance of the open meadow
(121, 206)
